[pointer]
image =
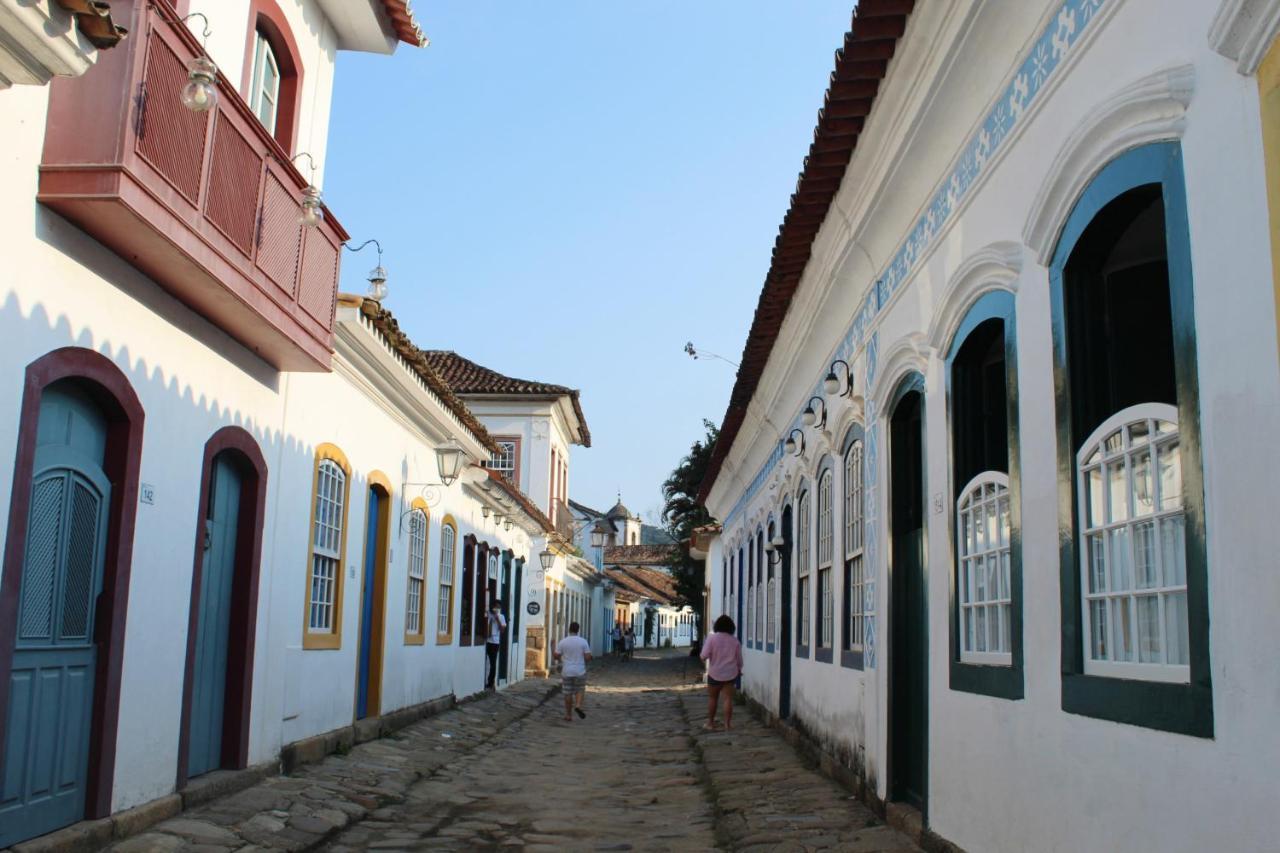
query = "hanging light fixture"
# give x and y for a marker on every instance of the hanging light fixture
(200, 93)
(794, 445)
(507, 524)
(484, 510)
(547, 559)
(815, 414)
(377, 276)
(832, 384)
(311, 209)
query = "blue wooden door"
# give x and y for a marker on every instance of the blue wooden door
(213, 628)
(50, 713)
(367, 591)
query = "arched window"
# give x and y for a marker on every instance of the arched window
(417, 574)
(750, 626)
(264, 86)
(771, 592)
(328, 545)
(854, 570)
(448, 557)
(1134, 579)
(1133, 561)
(804, 600)
(826, 622)
(272, 81)
(985, 601)
(760, 590)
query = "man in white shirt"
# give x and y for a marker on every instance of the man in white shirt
(493, 642)
(573, 652)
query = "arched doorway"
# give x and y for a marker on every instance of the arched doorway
(908, 608)
(64, 594)
(373, 597)
(217, 693)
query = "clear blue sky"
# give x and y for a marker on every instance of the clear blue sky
(568, 190)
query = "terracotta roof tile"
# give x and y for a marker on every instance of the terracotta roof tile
(521, 498)
(645, 583)
(467, 377)
(407, 30)
(93, 19)
(385, 323)
(639, 555)
(860, 65)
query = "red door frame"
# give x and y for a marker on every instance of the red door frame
(112, 391)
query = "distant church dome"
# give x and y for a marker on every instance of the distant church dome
(618, 511)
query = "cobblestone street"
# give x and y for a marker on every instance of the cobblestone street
(507, 772)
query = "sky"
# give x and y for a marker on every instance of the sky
(569, 190)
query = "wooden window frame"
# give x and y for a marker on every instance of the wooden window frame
(804, 576)
(327, 639)
(1179, 708)
(419, 637)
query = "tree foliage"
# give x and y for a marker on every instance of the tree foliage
(681, 513)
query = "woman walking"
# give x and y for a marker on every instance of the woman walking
(723, 654)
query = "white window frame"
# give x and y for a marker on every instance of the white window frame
(771, 590)
(748, 615)
(417, 571)
(803, 623)
(978, 507)
(261, 94)
(760, 594)
(444, 598)
(1163, 435)
(326, 546)
(505, 462)
(826, 624)
(854, 534)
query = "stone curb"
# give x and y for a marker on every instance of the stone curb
(92, 835)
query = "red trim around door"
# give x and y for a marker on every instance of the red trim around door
(244, 599)
(113, 392)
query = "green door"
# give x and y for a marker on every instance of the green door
(908, 650)
(50, 712)
(209, 685)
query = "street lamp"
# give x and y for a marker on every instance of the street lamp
(815, 414)
(833, 383)
(599, 532)
(794, 445)
(547, 559)
(449, 458)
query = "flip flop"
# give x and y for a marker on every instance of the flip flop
(582, 715)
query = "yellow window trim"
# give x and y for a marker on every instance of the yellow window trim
(332, 639)
(446, 638)
(418, 638)
(1269, 98)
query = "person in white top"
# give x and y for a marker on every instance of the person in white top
(493, 642)
(573, 652)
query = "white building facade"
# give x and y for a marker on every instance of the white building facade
(989, 479)
(229, 527)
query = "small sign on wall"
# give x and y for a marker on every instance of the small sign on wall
(533, 608)
(146, 494)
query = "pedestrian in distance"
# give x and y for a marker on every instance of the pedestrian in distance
(630, 642)
(723, 654)
(493, 642)
(615, 637)
(573, 652)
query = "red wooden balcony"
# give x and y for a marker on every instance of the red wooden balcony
(206, 204)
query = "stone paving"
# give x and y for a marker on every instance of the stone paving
(507, 772)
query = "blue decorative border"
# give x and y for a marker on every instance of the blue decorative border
(1044, 58)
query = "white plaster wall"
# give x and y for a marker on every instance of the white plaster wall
(1014, 775)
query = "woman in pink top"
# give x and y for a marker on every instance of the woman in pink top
(723, 654)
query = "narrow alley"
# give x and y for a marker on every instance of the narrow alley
(507, 771)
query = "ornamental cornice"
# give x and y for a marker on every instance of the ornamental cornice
(1244, 30)
(1149, 110)
(993, 267)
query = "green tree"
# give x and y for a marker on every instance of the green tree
(681, 513)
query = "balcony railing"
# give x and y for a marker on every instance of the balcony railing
(206, 204)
